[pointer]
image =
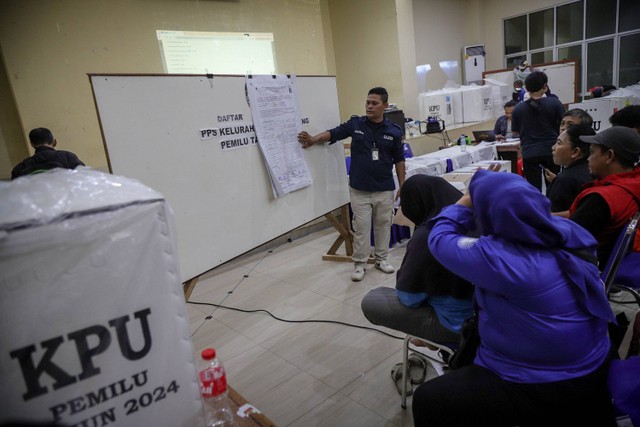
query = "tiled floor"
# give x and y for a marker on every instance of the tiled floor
(302, 374)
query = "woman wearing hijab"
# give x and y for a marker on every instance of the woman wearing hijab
(543, 314)
(570, 153)
(429, 301)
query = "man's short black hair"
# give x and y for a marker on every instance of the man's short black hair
(510, 103)
(585, 118)
(40, 136)
(384, 95)
(535, 81)
(628, 116)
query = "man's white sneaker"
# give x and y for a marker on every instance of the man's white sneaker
(385, 267)
(358, 273)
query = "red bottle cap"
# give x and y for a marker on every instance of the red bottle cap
(208, 353)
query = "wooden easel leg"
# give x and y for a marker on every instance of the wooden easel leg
(345, 236)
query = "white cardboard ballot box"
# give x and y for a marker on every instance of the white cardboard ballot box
(93, 317)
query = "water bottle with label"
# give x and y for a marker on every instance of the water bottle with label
(213, 386)
(463, 143)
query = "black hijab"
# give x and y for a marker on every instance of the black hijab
(423, 196)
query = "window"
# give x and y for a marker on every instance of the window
(629, 67)
(600, 63)
(601, 17)
(569, 26)
(541, 29)
(583, 30)
(542, 57)
(573, 52)
(629, 13)
(515, 35)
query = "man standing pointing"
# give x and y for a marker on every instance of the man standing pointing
(376, 147)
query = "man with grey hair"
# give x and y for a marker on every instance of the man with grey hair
(575, 116)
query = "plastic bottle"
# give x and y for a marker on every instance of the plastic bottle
(463, 143)
(213, 386)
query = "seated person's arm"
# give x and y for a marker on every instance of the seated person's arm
(496, 129)
(592, 213)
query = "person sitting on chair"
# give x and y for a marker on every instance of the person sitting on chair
(429, 301)
(542, 314)
(502, 128)
(628, 116)
(575, 116)
(46, 156)
(570, 153)
(605, 206)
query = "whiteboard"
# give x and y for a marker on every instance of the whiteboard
(222, 199)
(562, 78)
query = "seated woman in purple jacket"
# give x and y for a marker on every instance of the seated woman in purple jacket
(543, 314)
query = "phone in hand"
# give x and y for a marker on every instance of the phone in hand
(542, 167)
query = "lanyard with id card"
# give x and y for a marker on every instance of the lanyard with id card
(375, 155)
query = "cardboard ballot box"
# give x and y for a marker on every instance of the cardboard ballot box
(94, 324)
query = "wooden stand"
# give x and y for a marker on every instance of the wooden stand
(345, 237)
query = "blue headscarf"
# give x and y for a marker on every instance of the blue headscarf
(511, 209)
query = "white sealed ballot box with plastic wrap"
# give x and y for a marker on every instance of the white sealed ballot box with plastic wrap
(93, 317)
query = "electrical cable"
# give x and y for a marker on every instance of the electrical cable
(293, 321)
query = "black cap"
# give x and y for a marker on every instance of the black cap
(624, 141)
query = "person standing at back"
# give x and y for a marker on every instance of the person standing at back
(376, 147)
(537, 121)
(46, 156)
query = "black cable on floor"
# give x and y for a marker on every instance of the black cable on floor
(294, 321)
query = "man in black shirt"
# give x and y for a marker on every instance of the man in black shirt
(46, 156)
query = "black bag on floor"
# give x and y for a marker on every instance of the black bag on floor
(469, 342)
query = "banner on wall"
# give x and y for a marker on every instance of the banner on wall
(94, 325)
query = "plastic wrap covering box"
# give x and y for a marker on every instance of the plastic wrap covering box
(437, 103)
(500, 94)
(476, 103)
(94, 324)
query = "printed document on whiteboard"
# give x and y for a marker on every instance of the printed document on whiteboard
(276, 120)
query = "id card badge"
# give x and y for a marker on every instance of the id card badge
(374, 154)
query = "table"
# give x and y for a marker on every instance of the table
(510, 151)
(456, 158)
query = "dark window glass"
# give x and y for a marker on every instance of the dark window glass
(601, 18)
(541, 29)
(629, 60)
(569, 22)
(573, 52)
(515, 35)
(600, 63)
(542, 57)
(629, 15)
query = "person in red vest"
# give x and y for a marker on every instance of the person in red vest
(605, 206)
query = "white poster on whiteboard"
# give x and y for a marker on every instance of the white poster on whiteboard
(276, 118)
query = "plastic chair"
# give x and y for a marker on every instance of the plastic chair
(447, 350)
(622, 249)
